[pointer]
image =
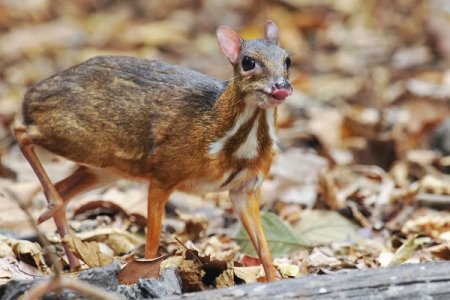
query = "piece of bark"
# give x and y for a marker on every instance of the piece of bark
(169, 283)
(408, 281)
(104, 277)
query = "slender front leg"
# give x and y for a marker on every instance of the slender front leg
(157, 198)
(246, 205)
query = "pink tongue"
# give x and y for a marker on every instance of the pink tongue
(280, 94)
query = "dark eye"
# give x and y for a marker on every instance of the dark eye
(288, 63)
(248, 63)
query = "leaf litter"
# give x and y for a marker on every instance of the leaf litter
(362, 179)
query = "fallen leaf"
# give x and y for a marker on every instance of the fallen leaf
(29, 252)
(441, 251)
(135, 195)
(89, 252)
(426, 221)
(324, 227)
(405, 252)
(249, 274)
(287, 269)
(319, 259)
(195, 226)
(5, 249)
(120, 241)
(136, 269)
(191, 275)
(249, 261)
(171, 262)
(385, 258)
(220, 247)
(226, 278)
(282, 240)
(11, 268)
(435, 185)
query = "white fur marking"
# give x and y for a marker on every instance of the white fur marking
(271, 124)
(238, 194)
(260, 179)
(239, 200)
(249, 149)
(217, 146)
(203, 186)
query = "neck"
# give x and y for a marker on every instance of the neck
(244, 131)
(231, 102)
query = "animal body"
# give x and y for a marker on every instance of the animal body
(170, 126)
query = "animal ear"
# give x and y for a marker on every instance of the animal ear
(229, 43)
(271, 31)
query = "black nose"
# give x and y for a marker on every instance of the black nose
(282, 85)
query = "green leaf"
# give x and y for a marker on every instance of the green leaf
(282, 240)
(321, 227)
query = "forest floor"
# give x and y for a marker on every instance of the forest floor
(362, 179)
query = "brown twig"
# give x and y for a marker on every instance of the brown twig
(58, 282)
(189, 250)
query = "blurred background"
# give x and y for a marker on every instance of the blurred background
(364, 133)
(383, 64)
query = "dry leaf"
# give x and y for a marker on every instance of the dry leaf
(287, 269)
(404, 252)
(24, 249)
(191, 275)
(195, 226)
(249, 274)
(5, 249)
(318, 259)
(11, 268)
(428, 222)
(89, 252)
(441, 251)
(226, 278)
(171, 262)
(432, 184)
(135, 204)
(136, 269)
(249, 261)
(221, 248)
(120, 241)
(371, 70)
(385, 258)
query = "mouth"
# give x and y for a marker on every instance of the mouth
(267, 100)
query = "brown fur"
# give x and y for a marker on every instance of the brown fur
(109, 112)
(152, 121)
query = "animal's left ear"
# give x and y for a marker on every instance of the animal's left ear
(271, 31)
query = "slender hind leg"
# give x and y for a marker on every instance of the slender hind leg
(81, 180)
(55, 202)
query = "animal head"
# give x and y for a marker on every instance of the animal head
(261, 66)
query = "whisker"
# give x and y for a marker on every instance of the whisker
(232, 78)
(293, 77)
